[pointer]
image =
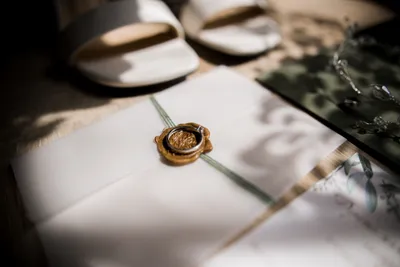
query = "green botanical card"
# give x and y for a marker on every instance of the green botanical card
(312, 85)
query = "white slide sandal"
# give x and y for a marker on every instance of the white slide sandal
(128, 44)
(234, 27)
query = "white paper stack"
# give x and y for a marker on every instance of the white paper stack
(102, 197)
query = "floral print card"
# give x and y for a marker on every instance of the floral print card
(350, 218)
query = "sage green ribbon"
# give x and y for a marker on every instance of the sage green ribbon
(236, 178)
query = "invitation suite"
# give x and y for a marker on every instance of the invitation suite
(103, 196)
(350, 218)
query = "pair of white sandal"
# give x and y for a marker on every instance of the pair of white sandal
(136, 43)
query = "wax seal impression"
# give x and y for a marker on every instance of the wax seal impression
(184, 143)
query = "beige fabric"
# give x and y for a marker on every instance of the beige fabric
(365, 12)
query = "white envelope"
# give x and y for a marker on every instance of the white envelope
(102, 197)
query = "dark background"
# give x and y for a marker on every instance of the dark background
(28, 25)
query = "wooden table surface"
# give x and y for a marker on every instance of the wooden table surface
(40, 105)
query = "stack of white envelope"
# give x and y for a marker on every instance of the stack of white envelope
(102, 197)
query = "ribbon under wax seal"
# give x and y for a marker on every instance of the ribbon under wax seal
(234, 177)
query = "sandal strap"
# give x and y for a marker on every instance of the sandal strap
(202, 10)
(111, 16)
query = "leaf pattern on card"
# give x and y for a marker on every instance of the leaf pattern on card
(347, 167)
(392, 202)
(371, 196)
(356, 179)
(348, 164)
(366, 165)
(353, 180)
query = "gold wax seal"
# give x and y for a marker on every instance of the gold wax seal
(184, 143)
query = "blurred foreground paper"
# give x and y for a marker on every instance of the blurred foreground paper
(344, 220)
(102, 197)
